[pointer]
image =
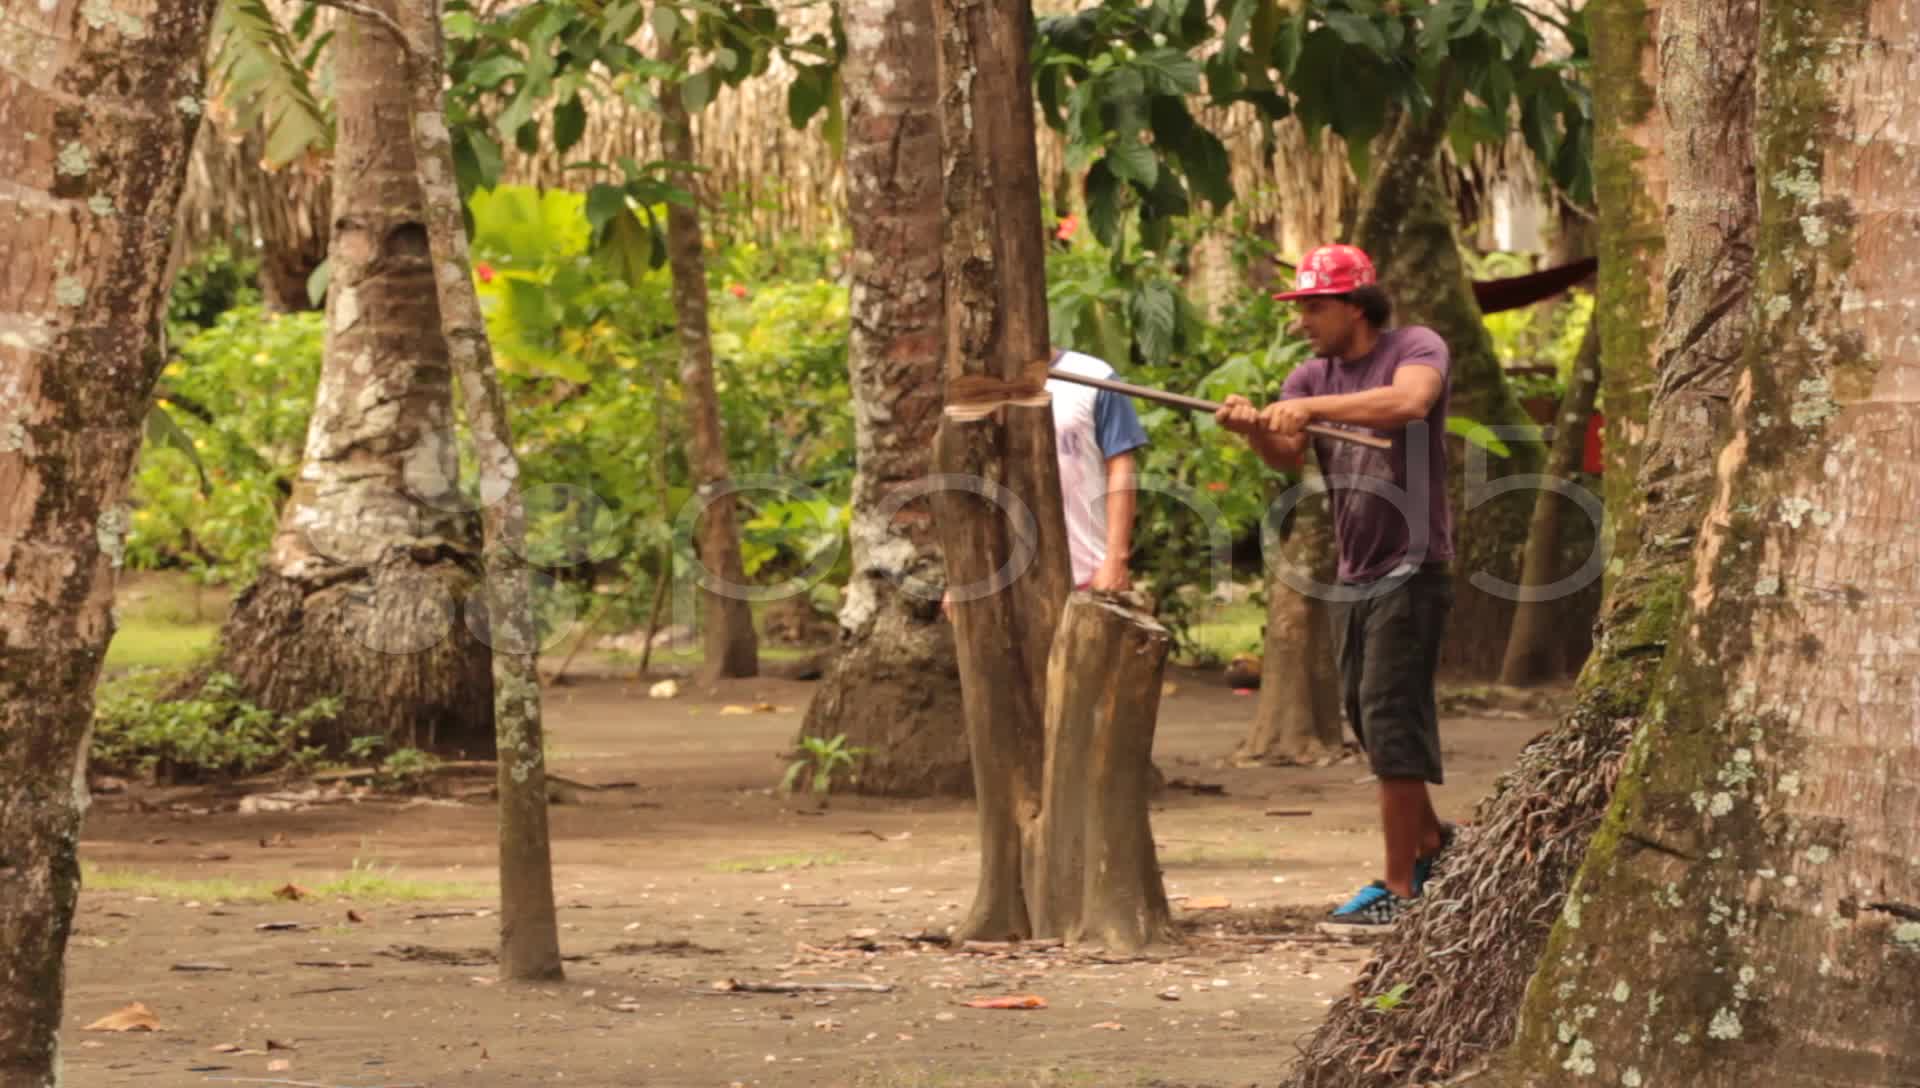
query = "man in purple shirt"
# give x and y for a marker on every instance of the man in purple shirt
(1394, 532)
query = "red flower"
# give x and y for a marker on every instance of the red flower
(1217, 486)
(485, 270)
(1068, 225)
(738, 290)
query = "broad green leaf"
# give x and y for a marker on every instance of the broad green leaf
(1103, 203)
(604, 202)
(164, 430)
(317, 282)
(255, 71)
(490, 72)
(569, 124)
(1168, 71)
(1154, 315)
(1358, 30)
(1132, 160)
(1478, 434)
(697, 90)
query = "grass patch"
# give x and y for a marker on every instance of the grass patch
(141, 643)
(1225, 631)
(1216, 857)
(778, 863)
(362, 882)
(166, 621)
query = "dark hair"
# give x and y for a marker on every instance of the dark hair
(1375, 304)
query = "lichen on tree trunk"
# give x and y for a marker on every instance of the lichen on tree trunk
(98, 106)
(729, 644)
(529, 934)
(894, 685)
(1749, 901)
(1529, 836)
(361, 595)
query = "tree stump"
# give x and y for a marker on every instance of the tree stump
(1098, 878)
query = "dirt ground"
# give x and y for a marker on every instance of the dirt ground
(689, 870)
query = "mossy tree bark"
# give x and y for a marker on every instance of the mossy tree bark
(1529, 836)
(1750, 906)
(729, 644)
(894, 686)
(99, 104)
(359, 598)
(529, 934)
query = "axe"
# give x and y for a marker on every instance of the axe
(1195, 404)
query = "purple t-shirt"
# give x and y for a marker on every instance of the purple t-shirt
(1389, 507)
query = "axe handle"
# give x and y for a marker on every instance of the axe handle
(1195, 404)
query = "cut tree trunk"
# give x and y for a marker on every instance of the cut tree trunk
(894, 685)
(98, 105)
(359, 598)
(1530, 835)
(1761, 841)
(997, 430)
(1536, 645)
(1406, 224)
(1298, 719)
(730, 646)
(1097, 876)
(529, 935)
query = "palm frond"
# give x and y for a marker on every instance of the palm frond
(262, 82)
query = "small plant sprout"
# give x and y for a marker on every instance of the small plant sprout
(821, 761)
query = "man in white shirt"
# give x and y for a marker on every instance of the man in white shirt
(1095, 432)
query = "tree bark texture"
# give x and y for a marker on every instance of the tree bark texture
(996, 433)
(1751, 901)
(1536, 647)
(529, 938)
(894, 686)
(1096, 873)
(1406, 225)
(1495, 900)
(361, 596)
(98, 105)
(730, 646)
(1298, 719)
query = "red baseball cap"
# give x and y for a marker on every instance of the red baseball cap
(1331, 270)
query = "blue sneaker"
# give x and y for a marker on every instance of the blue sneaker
(1373, 909)
(1423, 867)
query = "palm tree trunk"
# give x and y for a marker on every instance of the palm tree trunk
(359, 598)
(100, 106)
(894, 687)
(1298, 719)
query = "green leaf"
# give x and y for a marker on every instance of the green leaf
(697, 90)
(1155, 312)
(1132, 160)
(569, 124)
(485, 156)
(254, 69)
(1478, 434)
(667, 23)
(1103, 203)
(164, 430)
(604, 202)
(807, 95)
(490, 72)
(1168, 71)
(317, 282)
(1358, 30)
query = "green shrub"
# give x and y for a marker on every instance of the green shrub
(213, 733)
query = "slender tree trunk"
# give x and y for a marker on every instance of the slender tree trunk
(731, 647)
(1536, 645)
(529, 938)
(998, 429)
(1406, 224)
(1298, 720)
(359, 597)
(98, 105)
(1751, 903)
(1527, 838)
(894, 687)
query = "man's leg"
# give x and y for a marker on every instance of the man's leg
(1405, 812)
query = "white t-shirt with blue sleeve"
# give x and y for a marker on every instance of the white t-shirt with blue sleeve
(1089, 427)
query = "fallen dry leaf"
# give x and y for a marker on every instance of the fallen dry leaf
(1110, 1025)
(290, 890)
(354, 916)
(1018, 1001)
(226, 1048)
(135, 1017)
(735, 708)
(275, 1044)
(1208, 902)
(279, 1065)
